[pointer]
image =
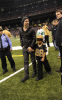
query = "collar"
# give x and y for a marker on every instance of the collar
(60, 19)
(27, 29)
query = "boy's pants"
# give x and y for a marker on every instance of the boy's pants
(40, 67)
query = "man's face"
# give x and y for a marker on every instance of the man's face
(39, 27)
(58, 15)
(26, 22)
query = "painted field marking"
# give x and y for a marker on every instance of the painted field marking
(16, 55)
(20, 48)
(13, 74)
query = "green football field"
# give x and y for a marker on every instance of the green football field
(49, 88)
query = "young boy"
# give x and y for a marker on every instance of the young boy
(40, 53)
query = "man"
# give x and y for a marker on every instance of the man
(5, 48)
(28, 39)
(47, 33)
(7, 32)
(54, 29)
(59, 35)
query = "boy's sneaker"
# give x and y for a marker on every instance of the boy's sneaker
(24, 79)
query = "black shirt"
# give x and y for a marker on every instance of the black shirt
(40, 50)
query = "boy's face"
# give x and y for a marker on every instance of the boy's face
(56, 22)
(39, 42)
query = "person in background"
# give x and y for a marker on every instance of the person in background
(59, 35)
(47, 33)
(40, 31)
(7, 32)
(5, 50)
(28, 39)
(54, 29)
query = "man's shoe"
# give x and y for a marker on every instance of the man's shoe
(33, 75)
(57, 70)
(49, 73)
(37, 79)
(24, 79)
(5, 71)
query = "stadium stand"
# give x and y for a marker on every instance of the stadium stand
(16, 9)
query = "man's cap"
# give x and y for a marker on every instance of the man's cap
(1, 29)
(39, 25)
(23, 19)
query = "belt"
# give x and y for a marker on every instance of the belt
(4, 49)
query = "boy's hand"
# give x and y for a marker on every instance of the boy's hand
(42, 59)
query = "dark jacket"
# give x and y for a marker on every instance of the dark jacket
(54, 29)
(59, 33)
(28, 37)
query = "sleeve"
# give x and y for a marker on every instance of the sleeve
(43, 33)
(37, 33)
(9, 42)
(21, 41)
(60, 31)
(47, 30)
(44, 48)
(33, 38)
(9, 34)
(52, 31)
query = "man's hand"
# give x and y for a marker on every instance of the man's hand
(10, 49)
(30, 49)
(23, 47)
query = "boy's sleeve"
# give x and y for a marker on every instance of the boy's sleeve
(44, 48)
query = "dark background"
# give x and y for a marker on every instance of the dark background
(12, 11)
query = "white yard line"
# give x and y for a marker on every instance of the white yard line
(19, 47)
(13, 74)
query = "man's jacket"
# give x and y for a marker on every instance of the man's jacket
(59, 33)
(28, 37)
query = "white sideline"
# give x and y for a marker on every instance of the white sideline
(13, 74)
(19, 47)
